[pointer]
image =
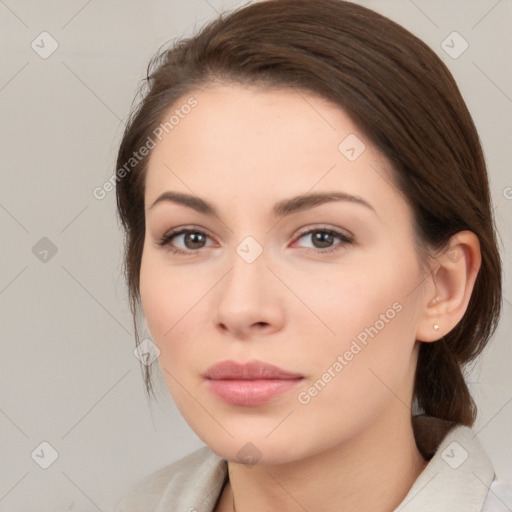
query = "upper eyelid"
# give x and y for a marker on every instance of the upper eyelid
(344, 235)
(340, 231)
(174, 233)
(186, 229)
(301, 231)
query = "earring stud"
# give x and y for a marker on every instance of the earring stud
(436, 327)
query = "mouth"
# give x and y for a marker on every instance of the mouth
(251, 384)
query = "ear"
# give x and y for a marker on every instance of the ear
(453, 276)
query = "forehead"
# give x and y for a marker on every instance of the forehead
(264, 144)
(230, 113)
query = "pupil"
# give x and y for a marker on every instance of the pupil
(322, 240)
(196, 240)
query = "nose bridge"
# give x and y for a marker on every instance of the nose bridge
(248, 296)
(247, 281)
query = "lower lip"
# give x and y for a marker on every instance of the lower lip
(251, 392)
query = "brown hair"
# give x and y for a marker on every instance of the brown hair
(401, 96)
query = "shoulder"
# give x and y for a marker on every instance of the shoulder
(459, 473)
(189, 476)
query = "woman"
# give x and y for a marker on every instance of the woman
(310, 240)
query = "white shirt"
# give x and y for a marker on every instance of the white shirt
(459, 477)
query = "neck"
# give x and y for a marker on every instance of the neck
(383, 459)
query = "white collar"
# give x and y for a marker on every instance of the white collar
(458, 475)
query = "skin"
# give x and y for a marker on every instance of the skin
(244, 149)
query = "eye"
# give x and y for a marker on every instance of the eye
(185, 240)
(323, 240)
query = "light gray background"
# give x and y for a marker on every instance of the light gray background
(68, 373)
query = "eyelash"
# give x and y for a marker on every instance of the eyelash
(172, 234)
(164, 241)
(345, 240)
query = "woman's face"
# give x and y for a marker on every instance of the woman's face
(299, 254)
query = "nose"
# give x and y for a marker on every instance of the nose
(249, 300)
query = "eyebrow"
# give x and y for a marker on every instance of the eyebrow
(281, 209)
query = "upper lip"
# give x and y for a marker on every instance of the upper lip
(252, 370)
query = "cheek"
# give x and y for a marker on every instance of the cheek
(362, 295)
(371, 311)
(166, 293)
(173, 300)
(367, 367)
(163, 297)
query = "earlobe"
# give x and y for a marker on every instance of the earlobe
(453, 277)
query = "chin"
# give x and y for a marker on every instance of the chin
(249, 453)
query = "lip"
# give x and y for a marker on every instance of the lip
(249, 384)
